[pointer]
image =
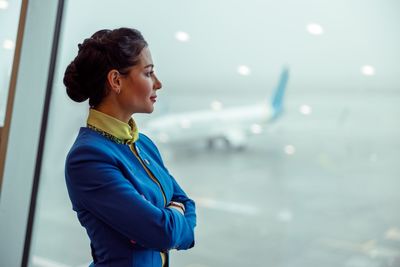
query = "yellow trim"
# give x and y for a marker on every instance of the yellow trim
(163, 258)
(127, 132)
(133, 148)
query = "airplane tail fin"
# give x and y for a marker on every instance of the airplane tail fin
(277, 99)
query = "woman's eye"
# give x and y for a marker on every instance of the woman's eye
(148, 74)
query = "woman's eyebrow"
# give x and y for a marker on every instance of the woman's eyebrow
(150, 65)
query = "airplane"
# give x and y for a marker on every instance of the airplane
(229, 126)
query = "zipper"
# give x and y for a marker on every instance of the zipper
(151, 175)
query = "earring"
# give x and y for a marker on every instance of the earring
(119, 91)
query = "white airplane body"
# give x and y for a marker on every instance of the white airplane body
(232, 125)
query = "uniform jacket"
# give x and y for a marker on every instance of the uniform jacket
(122, 205)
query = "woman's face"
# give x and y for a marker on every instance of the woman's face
(139, 85)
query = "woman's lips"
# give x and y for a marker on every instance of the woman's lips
(153, 98)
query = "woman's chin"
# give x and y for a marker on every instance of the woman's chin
(147, 110)
(150, 109)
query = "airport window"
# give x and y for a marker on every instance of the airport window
(279, 119)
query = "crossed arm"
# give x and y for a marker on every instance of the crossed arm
(96, 184)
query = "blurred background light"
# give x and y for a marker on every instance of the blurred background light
(305, 109)
(315, 29)
(8, 44)
(256, 129)
(182, 36)
(243, 70)
(289, 149)
(368, 70)
(3, 4)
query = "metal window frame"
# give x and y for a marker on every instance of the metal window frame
(23, 136)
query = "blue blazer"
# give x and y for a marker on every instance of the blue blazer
(121, 207)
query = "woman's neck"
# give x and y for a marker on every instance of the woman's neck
(113, 112)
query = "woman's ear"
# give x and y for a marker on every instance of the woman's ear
(114, 81)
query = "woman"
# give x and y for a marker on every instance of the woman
(133, 210)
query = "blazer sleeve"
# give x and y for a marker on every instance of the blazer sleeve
(95, 182)
(179, 195)
(190, 207)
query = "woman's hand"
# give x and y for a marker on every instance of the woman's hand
(178, 206)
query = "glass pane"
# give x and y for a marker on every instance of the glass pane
(9, 15)
(317, 185)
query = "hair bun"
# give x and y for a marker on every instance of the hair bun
(74, 88)
(86, 76)
(97, 43)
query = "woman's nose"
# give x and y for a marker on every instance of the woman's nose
(157, 83)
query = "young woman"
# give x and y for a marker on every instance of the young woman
(133, 210)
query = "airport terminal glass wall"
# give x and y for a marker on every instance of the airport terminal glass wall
(9, 13)
(279, 118)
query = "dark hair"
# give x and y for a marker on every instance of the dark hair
(86, 76)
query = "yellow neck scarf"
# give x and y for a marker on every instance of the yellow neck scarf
(118, 131)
